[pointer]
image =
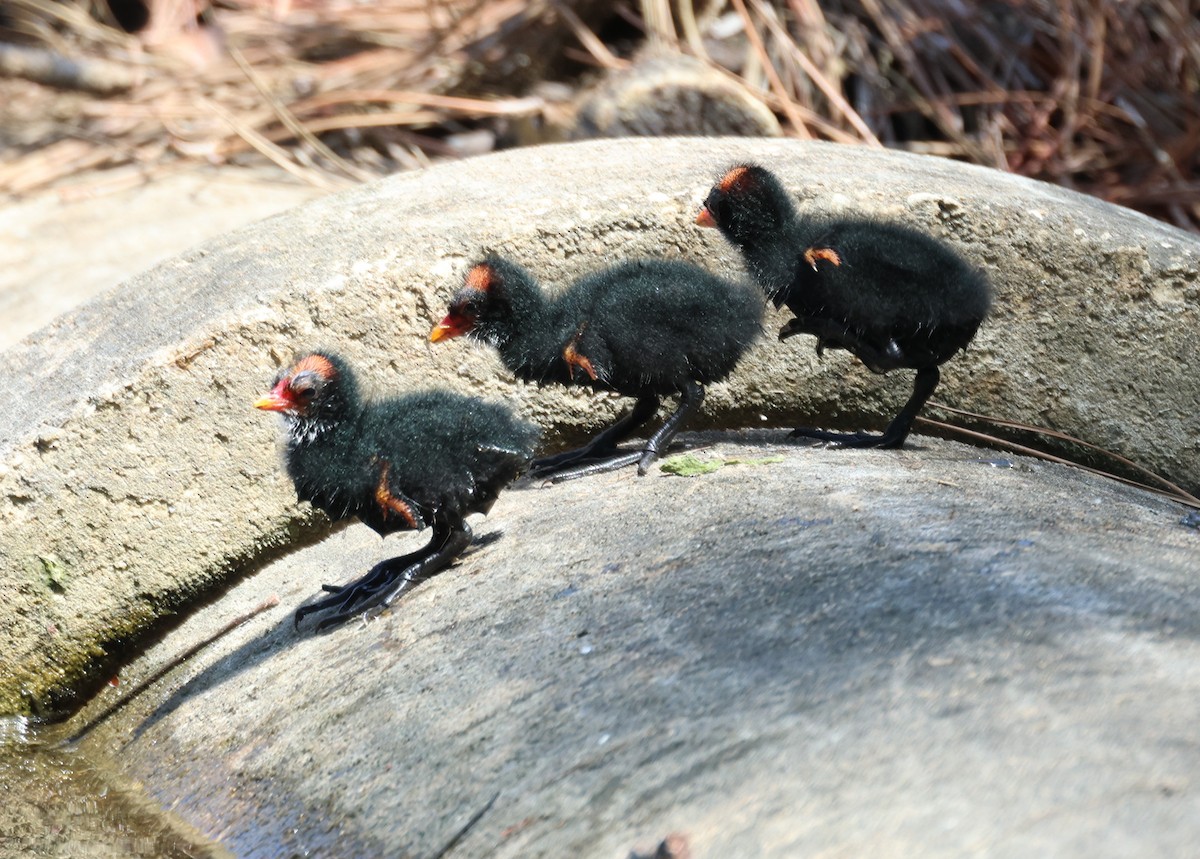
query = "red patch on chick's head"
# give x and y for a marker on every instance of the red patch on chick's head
(316, 364)
(481, 277)
(296, 385)
(737, 180)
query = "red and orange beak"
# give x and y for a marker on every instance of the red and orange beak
(278, 400)
(454, 325)
(705, 218)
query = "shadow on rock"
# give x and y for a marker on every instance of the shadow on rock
(286, 633)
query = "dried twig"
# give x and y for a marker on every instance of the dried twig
(590, 41)
(449, 103)
(996, 441)
(785, 101)
(53, 69)
(1163, 484)
(293, 124)
(271, 150)
(826, 86)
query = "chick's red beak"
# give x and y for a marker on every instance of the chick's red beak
(279, 400)
(454, 325)
(705, 218)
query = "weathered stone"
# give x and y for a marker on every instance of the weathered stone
(936, 652)
(134, 476)
(47, 269)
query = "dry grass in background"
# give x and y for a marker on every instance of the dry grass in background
(1098, 96)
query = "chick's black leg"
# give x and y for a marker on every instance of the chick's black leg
(451, 543)
(389, 578)
(923, 388)
(611, 463)
(605, 442)
(835, 335)
(898, 429)
(822, 329)
(689, 400)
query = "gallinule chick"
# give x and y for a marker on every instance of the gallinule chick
(422, 460)
(892, 296)
(647, 329)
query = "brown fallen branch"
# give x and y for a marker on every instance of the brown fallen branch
(275, 153)
(790, 108)
(65, 157)
(55, 70)
(590, 41)
(822, 82)
(996, 441)
(1158, 484)
(454, 104)
(288, 118)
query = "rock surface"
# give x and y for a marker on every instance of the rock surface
(57, 251)
(935, 652)
(134, 477)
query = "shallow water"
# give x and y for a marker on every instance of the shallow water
(57, 801)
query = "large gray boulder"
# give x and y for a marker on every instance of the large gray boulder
(937, 652)
(134, 476)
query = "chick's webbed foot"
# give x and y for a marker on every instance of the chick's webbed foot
(543, 466)
(897, 431)
(345, 597)
(364, 584)
(388, 579)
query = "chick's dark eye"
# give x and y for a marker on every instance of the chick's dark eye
(467, 310)
(303, 387)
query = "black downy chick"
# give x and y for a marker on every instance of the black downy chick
(401, 464)
(892, 296)
(646, 329)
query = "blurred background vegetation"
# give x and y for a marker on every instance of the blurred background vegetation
(1101, 97)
